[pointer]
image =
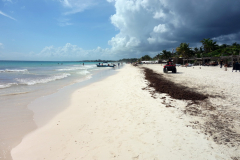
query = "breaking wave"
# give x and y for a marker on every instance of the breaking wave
(14, 70)
(31, 81)
(85, 72)
(7, 85)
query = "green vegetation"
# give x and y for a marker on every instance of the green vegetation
(128, 60)
(209, 48)
(184, 50)
(146, 58)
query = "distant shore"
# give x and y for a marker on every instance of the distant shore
(121, 117)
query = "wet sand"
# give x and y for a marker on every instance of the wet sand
(23, 112)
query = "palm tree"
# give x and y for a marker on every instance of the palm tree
(235, 49)
(208, 45)
(201, 50)
(146, 58)
(223, 46)
(166, 54)
(183, 50)
(158, 56)
(236, 44)
(196, 50)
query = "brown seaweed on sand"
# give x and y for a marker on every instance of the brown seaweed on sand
(176, 91)
(217, 123)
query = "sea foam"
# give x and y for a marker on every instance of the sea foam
(69, 69)
(30, 81)
(14, 70)
(7, 85)
(84, 72)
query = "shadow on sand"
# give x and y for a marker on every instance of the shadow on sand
(174, 73)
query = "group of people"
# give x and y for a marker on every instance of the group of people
(236, 65)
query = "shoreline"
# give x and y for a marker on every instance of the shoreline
(31, 114)
(117, 119)
(58, 101)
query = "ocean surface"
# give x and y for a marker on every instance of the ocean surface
(24, 82)
(38, 78)
(17, 75)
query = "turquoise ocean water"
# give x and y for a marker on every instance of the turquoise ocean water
(15, 74)
(38, 78)
(18, 77)
(23, 82)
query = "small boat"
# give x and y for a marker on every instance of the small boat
(105, 65)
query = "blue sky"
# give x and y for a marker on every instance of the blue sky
(111, 29)
(29, 26)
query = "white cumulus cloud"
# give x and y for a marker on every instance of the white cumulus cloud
(141, 24)
(73, 52)
(150, 26)
(154, 25)
(160, 28)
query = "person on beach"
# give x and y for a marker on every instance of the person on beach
(169, 62)
(221, 63)
(235, 66)
(83, 64)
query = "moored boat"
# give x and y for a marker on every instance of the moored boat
(105, 65)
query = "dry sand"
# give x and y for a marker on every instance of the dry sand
(117, 119)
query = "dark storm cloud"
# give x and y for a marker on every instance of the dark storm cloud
(209, 19)
(154, 25)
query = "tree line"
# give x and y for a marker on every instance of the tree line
(128, 60)
(209, 48)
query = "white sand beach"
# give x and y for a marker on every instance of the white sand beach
(116, 119)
